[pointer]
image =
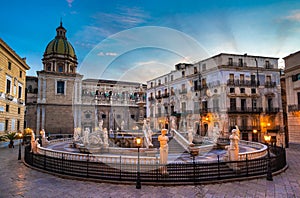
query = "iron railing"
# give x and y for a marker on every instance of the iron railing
(191, 172)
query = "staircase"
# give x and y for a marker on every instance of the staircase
(174, 146)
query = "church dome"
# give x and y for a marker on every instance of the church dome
(60, 44)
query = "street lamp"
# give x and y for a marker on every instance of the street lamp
(138, 142)
(269, 172)
(20, 137)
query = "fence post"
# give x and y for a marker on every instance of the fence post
(247, 165)
(87, 165)
(45, 160)
(120, 167)
(194, 168)
(62, 163)
(218, 167)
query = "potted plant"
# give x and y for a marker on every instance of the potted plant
(11, 136)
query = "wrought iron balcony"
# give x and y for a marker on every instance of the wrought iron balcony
(150, 98)
(165, 95)
(270, 84)
(209, 110)
(245, 110)
(243, 83)
(183, 91)
(272, 110)
(293, 108)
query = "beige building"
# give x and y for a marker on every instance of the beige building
(59, 100)
(215, 94)
(12, 89)
(292, 81)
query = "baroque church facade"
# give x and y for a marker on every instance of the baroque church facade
(59, 99)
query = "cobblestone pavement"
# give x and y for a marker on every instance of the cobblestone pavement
(17, 180)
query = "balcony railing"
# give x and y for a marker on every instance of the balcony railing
(151, 98)
(209, 110)
(165, 95)
(244, 83)
(293, 108)
(245, 110)
(272, 110)
(183, 91)
(270, 84)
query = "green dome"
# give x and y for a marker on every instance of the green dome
(60, 46)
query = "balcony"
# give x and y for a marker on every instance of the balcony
(186, 112)
(270, 110)
(158, 97)
(209, 110)
(150, 98)
(183, 91)
(165, 95)
(270, 84)
(9, 97)
(242, 83)
(245, 110)
(293, 108)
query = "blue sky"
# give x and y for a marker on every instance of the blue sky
(138, 40)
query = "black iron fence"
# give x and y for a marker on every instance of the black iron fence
(178, 172)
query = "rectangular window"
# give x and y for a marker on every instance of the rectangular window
(240, 62)
(60, 87)
(230, 62)
(242, 90)
(60, 68)
(7, 108)
(232, 104)
(19, 110)
(18, 125)
(203, 67)
(21, 74)
(8, 85)
(6, 125)
(243, 104)
(268, 64)
(183, 106)
(232, 90)
(254, 104)
(20, 92)
(166, 79)
(253, 91)
(9, 65)
(172, 77)
(195, 70)
(298, 96)
(159, 82)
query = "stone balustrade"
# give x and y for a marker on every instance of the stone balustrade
(261, 152)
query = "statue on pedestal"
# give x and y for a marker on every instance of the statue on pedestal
(44, 140)
(86, 136)
(32, 141)
(234, 145)
(164, 149)
(105, 138)
(122, 125)
(191, 135)
(76, 134)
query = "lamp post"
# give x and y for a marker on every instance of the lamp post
(20, 137)
(138, 142)
(269, 171)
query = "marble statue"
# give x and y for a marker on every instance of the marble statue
(105, 138)
(216, 134)
(173, 123)
(101, 125)
(86, 136)
(190, 135)
(32, 141)
(76, 134)
(164, 149)
(122, 125)
(44, 140)
(234, 145)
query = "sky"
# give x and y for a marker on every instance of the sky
(139, 40)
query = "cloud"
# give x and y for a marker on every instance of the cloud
(294, 16)
(107, 54)
(123, 17)
(70, 2)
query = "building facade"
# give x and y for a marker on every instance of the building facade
(59, 100)
(215, 94)
(292, 76)
(12, 89)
